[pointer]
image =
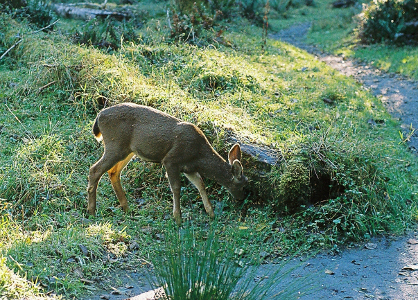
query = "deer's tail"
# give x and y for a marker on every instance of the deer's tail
(96, 131)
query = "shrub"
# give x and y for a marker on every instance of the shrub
(196, 27)
(252, 10)
(35, 11)
(13, 3)
(106, 34)
(389, 21)
(225, 6)
(280, 5)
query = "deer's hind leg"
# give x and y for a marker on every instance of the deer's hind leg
(104, 164)
(114, 174)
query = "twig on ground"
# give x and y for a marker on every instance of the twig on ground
(8, 50)
(27, 132)
(52, 24)
(46, 85)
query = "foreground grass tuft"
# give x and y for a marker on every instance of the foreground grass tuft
(191, 268)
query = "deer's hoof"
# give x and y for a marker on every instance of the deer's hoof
(125, 208)
(177, 218)
(91, 211)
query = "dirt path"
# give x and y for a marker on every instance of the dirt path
(398, 94)
(383, 268)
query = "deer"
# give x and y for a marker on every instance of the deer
(129, 130)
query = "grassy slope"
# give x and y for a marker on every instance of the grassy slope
(273, 98)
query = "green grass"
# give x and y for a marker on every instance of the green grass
(189, 268)
(272, 97)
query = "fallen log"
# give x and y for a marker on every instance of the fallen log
(343, 3)
(86, 13)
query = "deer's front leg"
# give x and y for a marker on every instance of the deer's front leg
(173, 175)
(197, 181)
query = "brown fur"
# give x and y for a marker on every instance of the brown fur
(129, 129)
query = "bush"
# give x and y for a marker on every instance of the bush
(225, 6)
(389, 21)
(195, 27)
(35, 11)
(107, 34)
(13, 3)
(252, 10)
(280, 5)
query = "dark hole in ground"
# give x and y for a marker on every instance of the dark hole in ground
(324, 188)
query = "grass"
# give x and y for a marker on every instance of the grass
(51, 90)
(188, 268)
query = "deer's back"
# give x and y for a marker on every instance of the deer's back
(149, 133)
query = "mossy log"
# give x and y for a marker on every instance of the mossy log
(86, 13)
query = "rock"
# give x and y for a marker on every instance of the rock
(84, 250)
(411, 268)
(370, 246)
(413, 242)
(329, 272)
(328, 101)
(264, 254)
(133, 245)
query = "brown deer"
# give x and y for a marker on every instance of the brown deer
(129, 129)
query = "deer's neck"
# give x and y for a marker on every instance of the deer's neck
(216, 168)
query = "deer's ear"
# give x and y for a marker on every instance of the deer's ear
(234, 154)
(237, 169)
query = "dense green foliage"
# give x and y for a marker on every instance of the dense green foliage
(108, 34)
(389, 21)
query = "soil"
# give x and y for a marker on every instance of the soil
(383, 268)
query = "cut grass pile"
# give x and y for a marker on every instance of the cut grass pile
(338, 180)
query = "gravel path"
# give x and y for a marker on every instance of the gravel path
(398, 94)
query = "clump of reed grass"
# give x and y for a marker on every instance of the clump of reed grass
(194, 264)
